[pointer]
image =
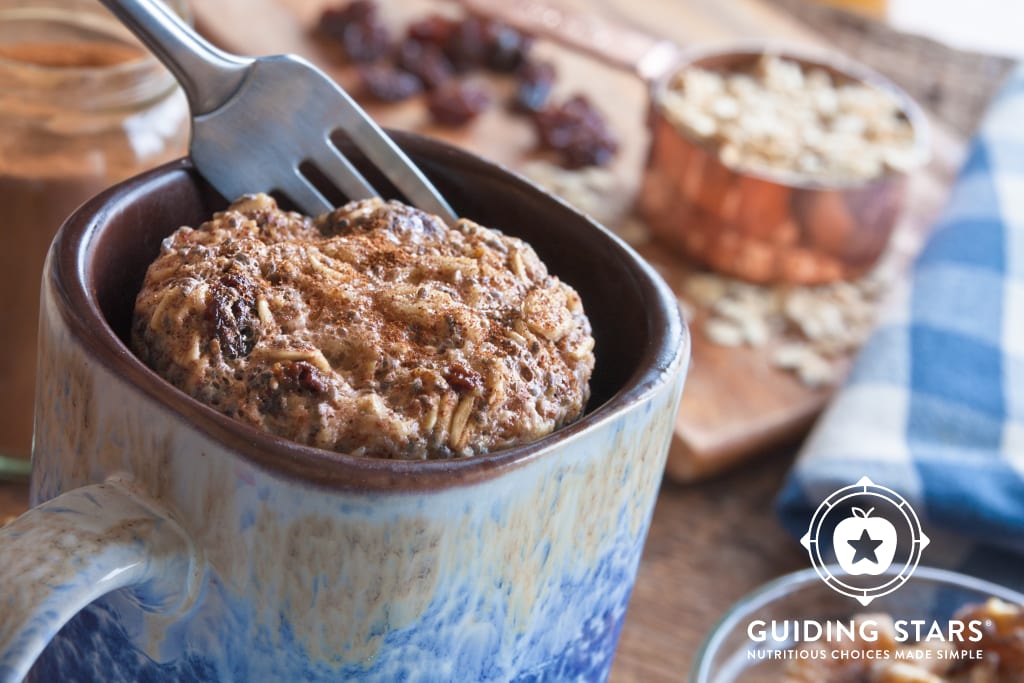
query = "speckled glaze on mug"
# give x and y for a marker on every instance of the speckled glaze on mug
(177, 544)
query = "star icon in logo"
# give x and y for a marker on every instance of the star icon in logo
(865, 548)
(864, 544)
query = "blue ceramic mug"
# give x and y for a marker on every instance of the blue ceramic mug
(170, 542)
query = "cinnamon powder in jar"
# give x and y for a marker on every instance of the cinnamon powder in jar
(82, 106)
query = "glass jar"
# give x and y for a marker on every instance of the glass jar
(82, 106)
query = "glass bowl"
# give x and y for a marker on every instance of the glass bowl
(730, 656)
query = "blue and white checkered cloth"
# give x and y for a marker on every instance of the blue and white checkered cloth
(934, 407)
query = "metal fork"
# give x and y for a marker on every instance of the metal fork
(255, 122)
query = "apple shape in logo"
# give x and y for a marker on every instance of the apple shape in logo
(864, 544)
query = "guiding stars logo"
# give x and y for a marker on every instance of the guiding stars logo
(868, 529)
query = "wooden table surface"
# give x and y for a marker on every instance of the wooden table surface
(709, 543)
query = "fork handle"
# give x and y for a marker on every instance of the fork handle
(209, 76)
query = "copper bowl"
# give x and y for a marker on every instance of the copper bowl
(765, 227)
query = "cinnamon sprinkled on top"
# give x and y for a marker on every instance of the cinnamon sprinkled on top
(372, 330)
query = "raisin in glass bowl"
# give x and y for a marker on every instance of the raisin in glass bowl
(731, 655)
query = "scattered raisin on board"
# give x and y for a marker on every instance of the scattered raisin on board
(457, 102)
(535, 81)
(433, 29)
(436, 48)
(426, 61)
(387, 83)
(468, 43)
(577, 131)
(336, 18)
(358, 28)
(507, 48)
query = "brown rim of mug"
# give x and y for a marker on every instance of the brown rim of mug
(69, 272)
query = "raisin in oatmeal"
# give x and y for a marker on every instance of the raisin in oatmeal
(372, 330)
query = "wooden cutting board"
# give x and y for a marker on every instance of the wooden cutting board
(736, 405)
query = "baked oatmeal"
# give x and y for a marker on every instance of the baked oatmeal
(372, 330)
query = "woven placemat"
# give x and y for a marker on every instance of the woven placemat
(954, 85)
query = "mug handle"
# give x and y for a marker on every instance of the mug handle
(60, 556)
